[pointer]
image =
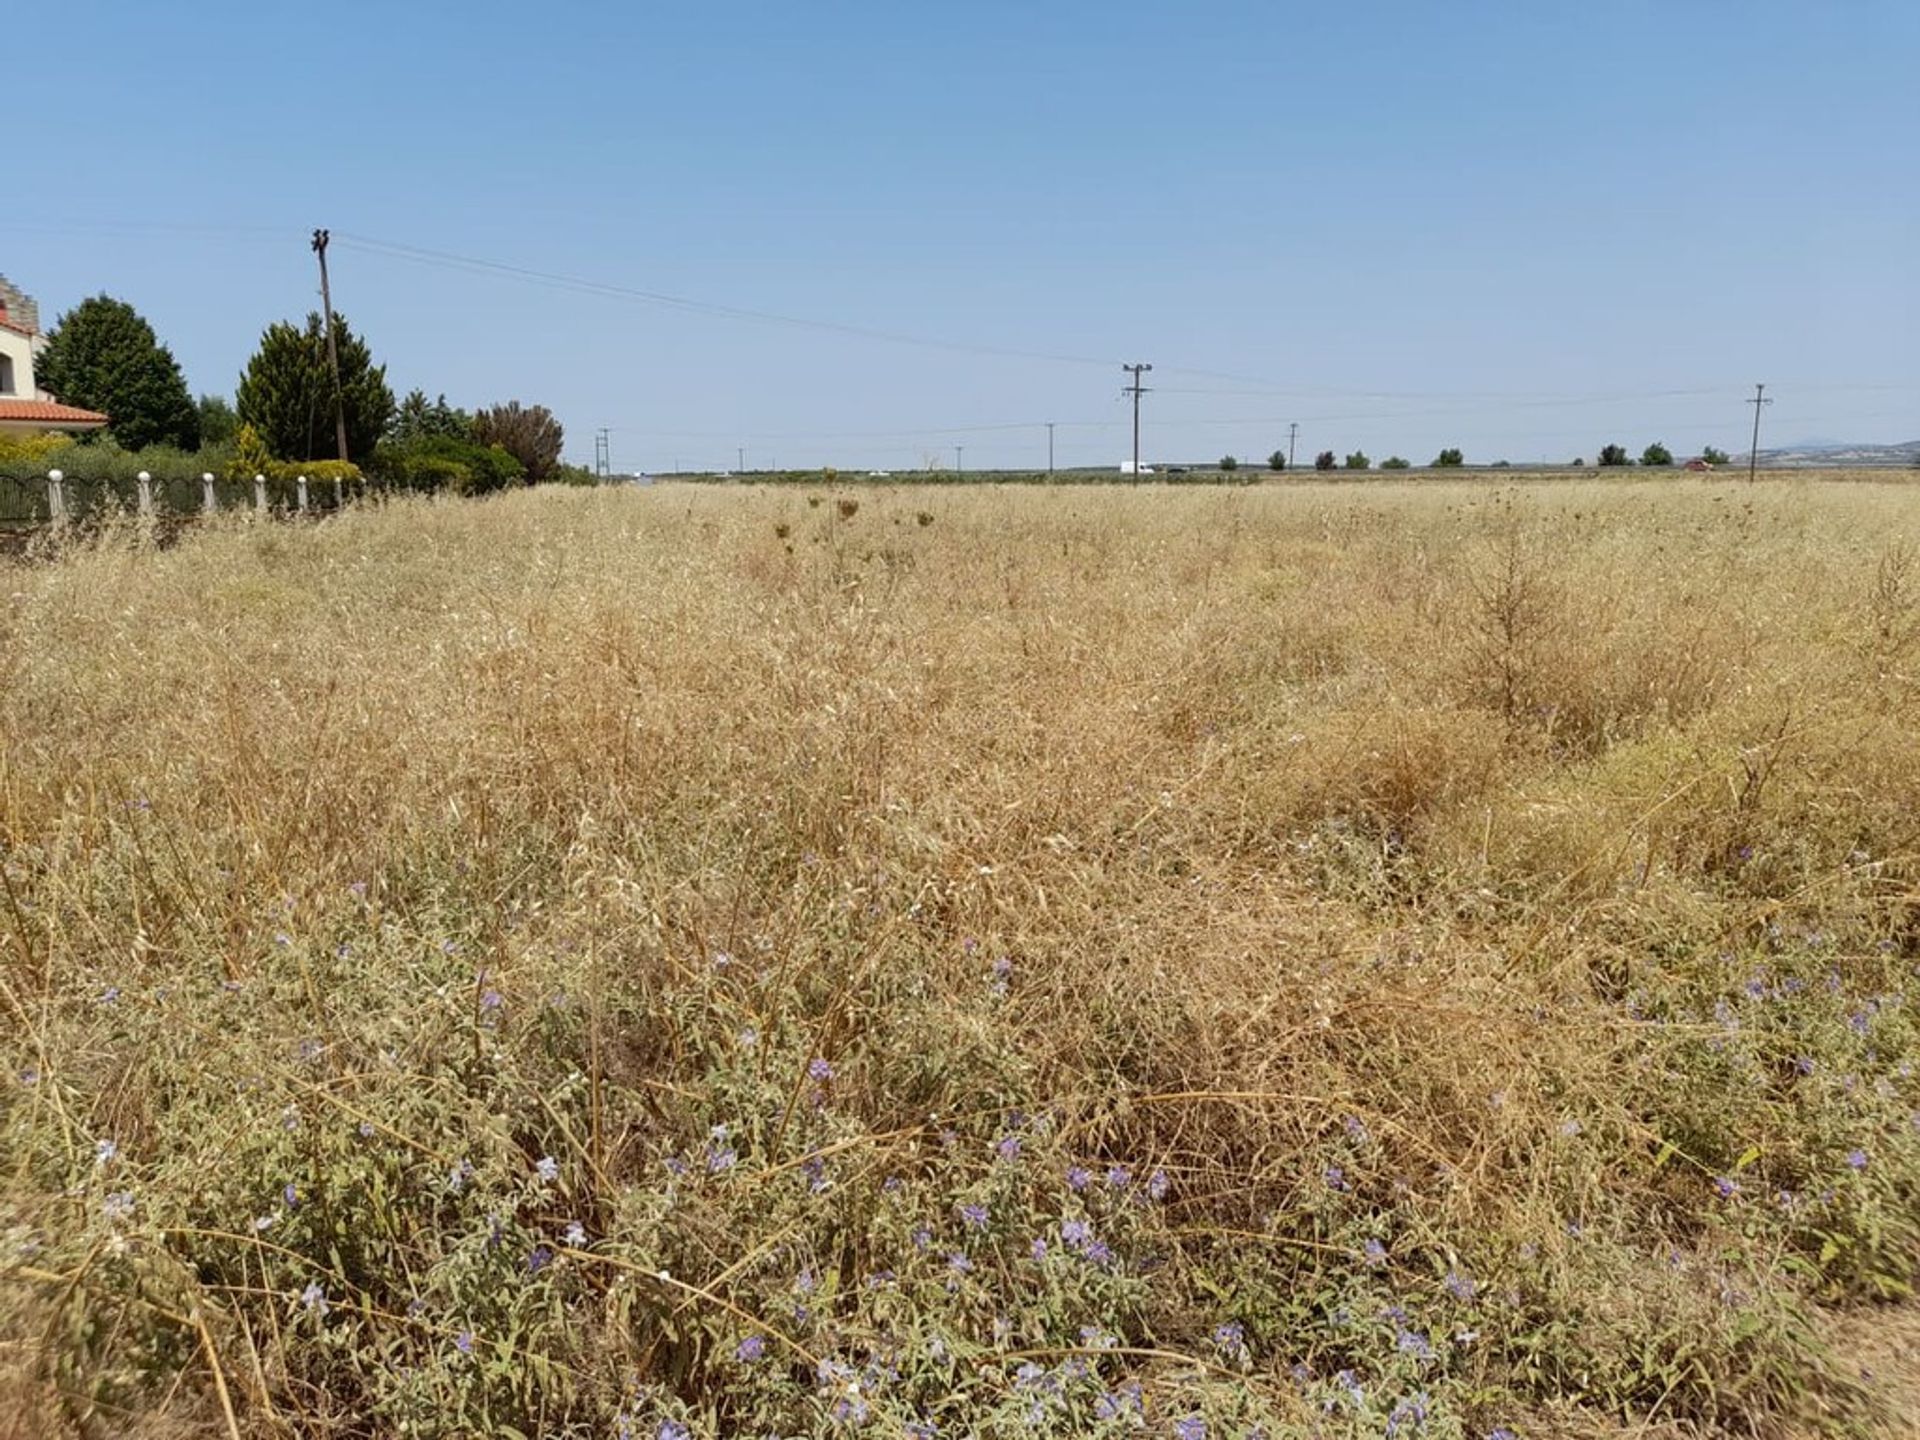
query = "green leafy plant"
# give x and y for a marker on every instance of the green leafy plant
(286, 392)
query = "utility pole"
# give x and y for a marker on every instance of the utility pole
(741, 467)
(1292, 430)
(1136, 390)
(958, 451)
(1049, 447)
(320, 239)
(602, 454)
(1753, 455)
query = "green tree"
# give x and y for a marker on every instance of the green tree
(218, 423)
(1229, 463)
(1277, 460)
(286, 392)
(250, 457)
(1656, 455)
(1395, 462)
(528, 433)
(417, 419)
(1579, 461)
(1325, 460)
(1449, 459)
(1614, 455)
(102, 355)
(1713, 456)
(1358, 461)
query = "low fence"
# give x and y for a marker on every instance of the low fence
(27, 504)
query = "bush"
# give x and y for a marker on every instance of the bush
(1395, 462)
(1713, 456)
(1448, 459)
(1358, 461)
(528, 433)
(250, 455)
(1614, 456)
(1656, 455)
(1229, 463)
(444, 462)
(1324, 460)
(1277, 460)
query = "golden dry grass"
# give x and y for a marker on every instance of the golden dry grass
(1294, 807)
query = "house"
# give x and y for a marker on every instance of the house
(25, 410)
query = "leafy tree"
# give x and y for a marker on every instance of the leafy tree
(1656, 455)
(530, 434)
(1324, 460)
(286, 392)
(416, 419)
(1579, 461)
(1358, 461)
(1395, 462)
(1448, 459)
(1614, 455)
(1713, 456)
(1229, 463)
(102, 355)
(1277, 460)
(217, 420)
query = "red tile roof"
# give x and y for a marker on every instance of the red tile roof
(7, 322)
(47, 412)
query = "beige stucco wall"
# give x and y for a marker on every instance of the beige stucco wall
(19, 349)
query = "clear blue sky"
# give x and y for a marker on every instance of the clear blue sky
(1515, 228)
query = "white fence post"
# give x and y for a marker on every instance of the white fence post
(339, 497)
(300, 493)
(260, 493)
(56, 497)
(209, 502)
(146, 492)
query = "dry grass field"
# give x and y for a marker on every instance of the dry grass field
(1420, 959)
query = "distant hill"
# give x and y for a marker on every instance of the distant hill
(1839, 455)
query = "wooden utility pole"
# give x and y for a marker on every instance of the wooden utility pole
(1136, 390)
(320, 238)
(1753, 455)
(1292, 430)
(1049, 447)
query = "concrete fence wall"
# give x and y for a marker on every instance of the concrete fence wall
(57, 498)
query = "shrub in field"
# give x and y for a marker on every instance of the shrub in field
(1325, 460)
(1358, 461)
(1229, 463)
(1613, 456)
(446, 462)
(250, 455)
(1395, 462)
(1277, 460)
(1451, 459)
(1656, 455)
(1713, 456)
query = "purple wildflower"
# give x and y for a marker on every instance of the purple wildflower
(117, 1207)
(104, 1151)
(290, 1196)
(313, 1299)
(1374, 1253)
(1078, 1178)
(1726, 1186)
(575, 1234)
(1190, 1427)
(974, 1216)
(1076, 1233)
(539, 1258)
(819, 1070)
(463, 1342)
(1008, 1148)
(1856, 1159)
(1157, 1185)
(959, 1263)
(1038, 1250)
(751, 1349)
(547, 1168)
(1460, 1285)
(1119, 1177)
(1336, 1178)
